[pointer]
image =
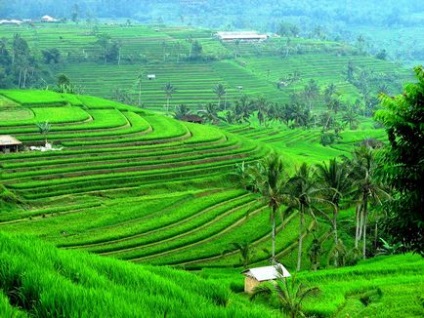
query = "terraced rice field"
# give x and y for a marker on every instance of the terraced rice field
(131, 184)
(165, 51)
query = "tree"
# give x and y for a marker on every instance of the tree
(368, 189)
(329, 91)
(169, 90)
(181, 111)
(243, 109)
(289, 294)
(220, 92)
(311, 92)
(246, 252)
(300, 190)
(402, 162)
(271, 189)
(138, 82)
(44, 129)
(350, 117)
(209, 113)
(22, 61)
(196, 50)
(268, 178)
(51, 56)
(261, 109)
(334, 178)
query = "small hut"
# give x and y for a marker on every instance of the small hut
(151, 76)
(257, 275)
(192, 119)
(9, 144)
(48, 19)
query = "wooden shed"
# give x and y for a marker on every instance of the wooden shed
(9, 144)
(257, 275)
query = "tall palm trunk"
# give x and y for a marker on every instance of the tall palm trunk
(364, 231)
(301, 227)
(358, 230)
(336, 239)
(273, 234)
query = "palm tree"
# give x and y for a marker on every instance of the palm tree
(368, 189)
(209, 113)
(336, 183)
(246, 252)
(44, 128)
(220, 92)
(329, 91)
(181, 111)
(268, 176)
(350, 117)
(169, 90)
(262, 109)
(300, 191)
(289, 293)
(243, 109)
(137, 83)
(311, 92)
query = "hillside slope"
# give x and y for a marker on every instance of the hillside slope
(38, 280)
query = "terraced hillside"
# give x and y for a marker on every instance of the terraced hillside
(251, 68)
(41, 281)
(127, 183)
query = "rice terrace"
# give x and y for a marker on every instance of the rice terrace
(210, 159)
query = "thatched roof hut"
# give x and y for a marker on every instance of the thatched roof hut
(257, 275)
(9, 144)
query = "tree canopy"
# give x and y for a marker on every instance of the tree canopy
(403, 162)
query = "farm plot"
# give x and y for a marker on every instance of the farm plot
(76, 192)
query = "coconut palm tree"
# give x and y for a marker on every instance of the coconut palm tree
(350, 117)
(335, 180)
(246, 252)
(262, 109)
(138, 82)
(181, 111)
(209, 113)
(271, 187)
(302, 193)
(368, 189)
(268, 178)
(329, 91)
(220, 92)
(243, 109)
(169, 90)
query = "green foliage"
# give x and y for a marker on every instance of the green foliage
(43, 281)
(328, 139)
(289, 294)
(403, 162)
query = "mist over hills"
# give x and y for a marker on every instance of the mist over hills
(238, 13)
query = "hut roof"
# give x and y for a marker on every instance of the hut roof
(192, 118)
(47, 18)
(267, 272)
(241, 35)
(6, 140)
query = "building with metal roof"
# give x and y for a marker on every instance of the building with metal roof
(257, 275)
(241, 35)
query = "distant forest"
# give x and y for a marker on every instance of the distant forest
(236, 13)
(392, 25)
